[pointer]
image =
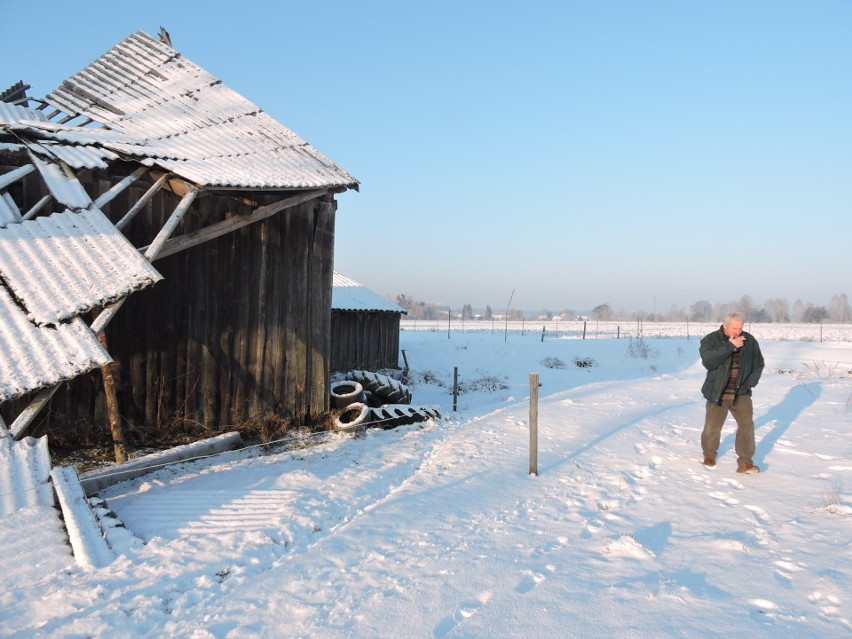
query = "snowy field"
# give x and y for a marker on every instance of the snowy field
(438, 530)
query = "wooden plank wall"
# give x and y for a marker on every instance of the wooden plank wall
(239, 326)
(364, 340)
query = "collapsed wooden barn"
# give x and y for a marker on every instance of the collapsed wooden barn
(236, 213)
(364, 327)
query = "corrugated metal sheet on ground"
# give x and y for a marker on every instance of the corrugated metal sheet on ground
(33, 357)
(211, 134)
(24, 472)
(349, 295)
(68, 263)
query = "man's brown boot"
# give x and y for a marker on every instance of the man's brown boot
(709, 461)
(747, 467)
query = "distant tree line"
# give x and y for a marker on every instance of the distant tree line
(777, 310)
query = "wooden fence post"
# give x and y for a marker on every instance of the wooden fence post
(533, 424)
(455, 387)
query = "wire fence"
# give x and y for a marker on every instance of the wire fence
(595, 329)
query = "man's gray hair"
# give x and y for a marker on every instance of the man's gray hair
(733, 316)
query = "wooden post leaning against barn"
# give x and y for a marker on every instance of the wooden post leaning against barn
(533, 424)
(112, 407)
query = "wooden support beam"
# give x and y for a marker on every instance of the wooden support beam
(142, 201)
(188, 240)
(37, 207)
(118, 187)
(13, 176)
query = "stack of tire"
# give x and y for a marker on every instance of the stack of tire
(367, 398)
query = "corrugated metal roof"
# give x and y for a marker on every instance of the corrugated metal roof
(190, 122)
(14, 113)
(77, 157)
(64, 190)
(349, 295)
(67, 263)
(33, 357)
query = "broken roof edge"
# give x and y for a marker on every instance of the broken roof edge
(141, 83)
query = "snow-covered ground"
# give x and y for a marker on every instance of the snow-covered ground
(438, 530)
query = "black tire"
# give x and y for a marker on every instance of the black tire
(352, 416)
(389, 390)
(345, 393)
(393, 415)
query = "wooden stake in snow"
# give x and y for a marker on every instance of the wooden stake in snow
(455, 388)
(533, 424)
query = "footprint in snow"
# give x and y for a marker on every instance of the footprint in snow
(784, 571)
(724, 497)
(759, 514)
(466, 609)
(532, 578)
(549, 547)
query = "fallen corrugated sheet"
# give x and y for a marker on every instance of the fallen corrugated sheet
(68, 263)
(191, 123)
(33, 357)
(84, 533)
(24, 473)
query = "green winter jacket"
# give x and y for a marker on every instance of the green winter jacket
(716, 352)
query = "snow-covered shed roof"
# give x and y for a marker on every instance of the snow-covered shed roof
(161, 108)
(349, 295)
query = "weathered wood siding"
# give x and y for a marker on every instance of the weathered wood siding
(365, 340)
(239, 326)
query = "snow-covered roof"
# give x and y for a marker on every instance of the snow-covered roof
(349, 295)
(65, 264)
(171, 112)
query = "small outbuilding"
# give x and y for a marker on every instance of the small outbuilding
(364, 328)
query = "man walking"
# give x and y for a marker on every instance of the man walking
(734, 364)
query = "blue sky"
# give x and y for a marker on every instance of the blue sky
(643, 154)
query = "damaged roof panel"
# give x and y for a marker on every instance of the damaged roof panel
(68, 263)
(190, 122)
(33, 357)
(77, 157)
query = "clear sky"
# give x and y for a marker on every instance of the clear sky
(643, 154)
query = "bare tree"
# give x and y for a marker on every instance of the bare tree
(798, 311)
(701, 311)
(778, 309)
(838, 308)
(602, 312)
(815, 314)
